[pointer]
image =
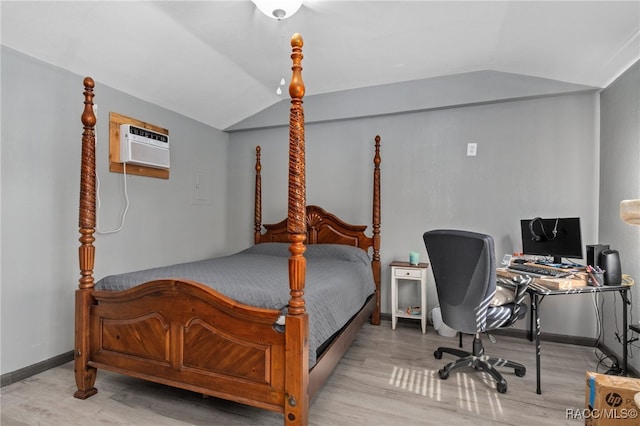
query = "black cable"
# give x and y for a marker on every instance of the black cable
(615, 320)
(614, 366)
(631, 341)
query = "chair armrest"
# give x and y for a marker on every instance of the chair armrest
(519, 284)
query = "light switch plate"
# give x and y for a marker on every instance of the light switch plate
(201, 189)
(472, 149)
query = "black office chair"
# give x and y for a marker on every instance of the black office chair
(464, 268)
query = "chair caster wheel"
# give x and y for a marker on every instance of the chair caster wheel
(520, 372)
(501, 387)
(437, 354)
(443, 374)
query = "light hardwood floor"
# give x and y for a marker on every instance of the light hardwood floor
(386, 378)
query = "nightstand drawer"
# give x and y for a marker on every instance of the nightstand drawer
(408, 272)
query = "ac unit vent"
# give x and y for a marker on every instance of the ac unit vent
(144, 147)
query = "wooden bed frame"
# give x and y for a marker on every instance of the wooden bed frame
(166, 331)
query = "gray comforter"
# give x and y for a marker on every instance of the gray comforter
(338, 281)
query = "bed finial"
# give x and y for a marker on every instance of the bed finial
(258, 199)
(88, 117)
(296, 87)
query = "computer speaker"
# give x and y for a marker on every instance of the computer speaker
(593, 253)
(610, 262)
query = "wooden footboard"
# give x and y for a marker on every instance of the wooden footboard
(185, 334)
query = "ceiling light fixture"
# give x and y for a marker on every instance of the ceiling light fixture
(278, 9)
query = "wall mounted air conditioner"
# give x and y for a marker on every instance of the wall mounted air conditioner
(144, 147)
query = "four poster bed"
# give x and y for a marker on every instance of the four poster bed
(185, 326)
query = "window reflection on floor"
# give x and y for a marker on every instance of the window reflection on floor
(473, 393)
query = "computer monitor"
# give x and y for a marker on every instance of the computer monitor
(558, 237)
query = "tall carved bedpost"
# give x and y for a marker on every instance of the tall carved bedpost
(376, 230)
(85, 375)
(258, 200)
(297, 322)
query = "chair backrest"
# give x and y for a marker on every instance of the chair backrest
(464, 268)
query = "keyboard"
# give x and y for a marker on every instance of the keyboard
(536, 271)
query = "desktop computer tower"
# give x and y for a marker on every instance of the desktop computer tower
(593, 254)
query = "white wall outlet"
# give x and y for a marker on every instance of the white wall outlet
(472, 149)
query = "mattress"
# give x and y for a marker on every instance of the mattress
(338, 282)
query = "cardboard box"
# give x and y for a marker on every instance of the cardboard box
(609, 400)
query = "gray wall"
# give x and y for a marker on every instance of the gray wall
(536, 157)
(620, 180)
(41, 139)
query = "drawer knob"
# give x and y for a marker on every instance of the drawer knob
(408, 273)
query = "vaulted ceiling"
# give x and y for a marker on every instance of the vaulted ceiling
(220, 62)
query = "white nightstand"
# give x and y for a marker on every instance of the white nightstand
(417, 274)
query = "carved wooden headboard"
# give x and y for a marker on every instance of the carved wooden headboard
(322, 228)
